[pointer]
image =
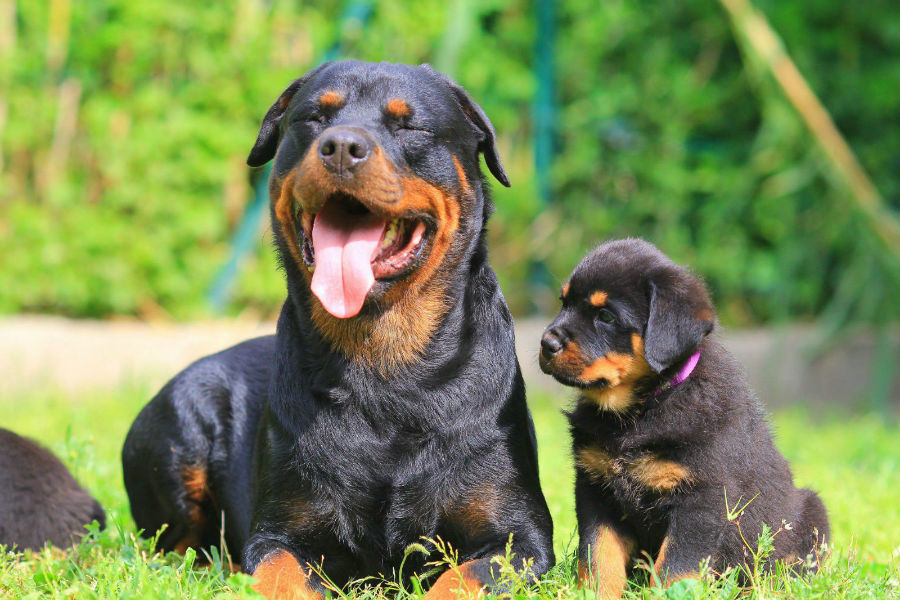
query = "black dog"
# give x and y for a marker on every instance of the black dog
(40, 501)
(389, 405)
(665, 427)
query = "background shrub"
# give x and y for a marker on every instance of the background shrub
(124, 128)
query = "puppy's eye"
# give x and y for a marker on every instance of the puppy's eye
(606, 316)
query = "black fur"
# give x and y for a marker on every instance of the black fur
(710, 425)
(40, 501)
(350, 464)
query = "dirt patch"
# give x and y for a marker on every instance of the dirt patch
(80, 355)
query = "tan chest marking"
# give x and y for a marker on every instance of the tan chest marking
(658, 474)
(596, 463)
(647, 470)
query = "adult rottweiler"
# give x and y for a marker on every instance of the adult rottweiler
(665, 426)
(389, 405)
(40, 501)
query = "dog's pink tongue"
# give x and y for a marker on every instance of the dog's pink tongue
(344, 245)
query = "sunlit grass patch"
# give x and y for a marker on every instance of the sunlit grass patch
(852, 461)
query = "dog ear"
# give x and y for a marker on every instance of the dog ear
(488, 143)
(267, 140)
(681, 315)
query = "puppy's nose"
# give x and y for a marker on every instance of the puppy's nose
(553, 342)
(343, 150)
(550, 345)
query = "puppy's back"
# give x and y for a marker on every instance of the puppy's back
(40, 501)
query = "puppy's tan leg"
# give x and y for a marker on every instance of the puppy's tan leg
(661, 567)
(603, 562)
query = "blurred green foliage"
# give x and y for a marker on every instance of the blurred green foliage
(124, 128)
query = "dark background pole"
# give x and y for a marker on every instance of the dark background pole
(544, 116)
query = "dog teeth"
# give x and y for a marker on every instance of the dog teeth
(390, 234)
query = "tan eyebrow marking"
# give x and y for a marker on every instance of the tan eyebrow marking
(565, 290)
(398, 108)
(331, 99)
(598, 298)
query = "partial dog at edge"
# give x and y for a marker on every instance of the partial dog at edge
(40, 501)
(389, 405)
(665, 425)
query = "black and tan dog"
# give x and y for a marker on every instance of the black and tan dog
(389, 405)
(40, 501)
(665, 426)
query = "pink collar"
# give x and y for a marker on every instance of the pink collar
(681, 375)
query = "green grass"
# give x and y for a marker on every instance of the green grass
(854, 462)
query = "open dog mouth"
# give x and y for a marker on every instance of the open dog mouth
(348, 247)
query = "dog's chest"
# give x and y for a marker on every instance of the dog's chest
(382, 475)
(379, 487)
(636, 477)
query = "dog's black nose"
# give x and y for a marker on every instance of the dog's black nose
(343, 150)
(553, 342)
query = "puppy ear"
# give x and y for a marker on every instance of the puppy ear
(681, 315)
(488, 143)
(267, 141)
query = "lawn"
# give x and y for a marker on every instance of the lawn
(853, 461)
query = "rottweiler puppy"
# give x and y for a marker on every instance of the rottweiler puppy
(389, 405)
(40, 501)
(665, 426)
